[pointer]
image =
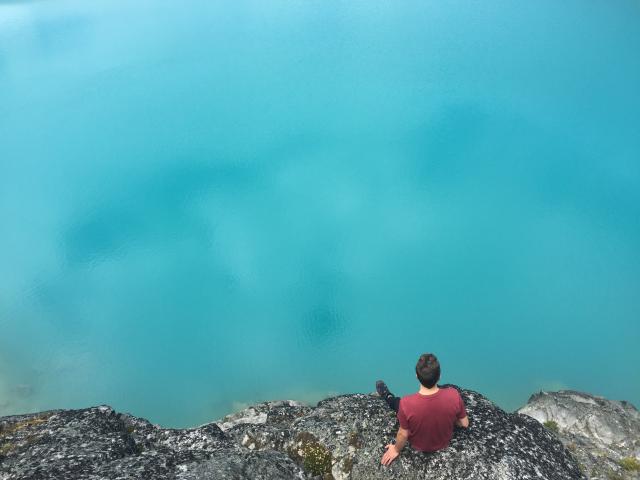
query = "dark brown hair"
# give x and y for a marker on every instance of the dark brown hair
(428, 370)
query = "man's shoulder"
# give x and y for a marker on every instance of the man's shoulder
(408, 399)
(411, 396)
(444, 391)
(446, 394)
(451, 392)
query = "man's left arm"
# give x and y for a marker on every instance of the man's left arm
(462, 420)
(394, 450)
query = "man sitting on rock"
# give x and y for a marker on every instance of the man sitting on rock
(427, 417)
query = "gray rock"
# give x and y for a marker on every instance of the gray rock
(278, 413)
(345, 436)
(98, 443)
(341, 438)
(602, 434)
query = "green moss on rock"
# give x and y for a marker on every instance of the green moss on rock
(29, 422)
(551, 425)
(630, 464)
(313, 455)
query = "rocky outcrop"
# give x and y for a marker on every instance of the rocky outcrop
(603, 435)
(341, 438)
(98, 443)
(345, 436)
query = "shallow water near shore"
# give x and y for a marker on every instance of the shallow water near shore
(209, 204)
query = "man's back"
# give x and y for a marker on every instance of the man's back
(430, 418)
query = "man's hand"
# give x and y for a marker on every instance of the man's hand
(390, 455)
(393, 450)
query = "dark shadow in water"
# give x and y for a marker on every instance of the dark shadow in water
(138, 212)
(139, 215)
(322, 325)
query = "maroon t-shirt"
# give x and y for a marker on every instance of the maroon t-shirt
(430, 418)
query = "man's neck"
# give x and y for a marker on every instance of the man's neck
(428, 391)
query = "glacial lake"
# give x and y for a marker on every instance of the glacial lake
(209, 204)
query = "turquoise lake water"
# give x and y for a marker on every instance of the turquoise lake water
(207, 204)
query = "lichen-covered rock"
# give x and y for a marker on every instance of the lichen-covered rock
(603, 435)
(278, 413)
(98, 443)
(350, 433)
(341, 438)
